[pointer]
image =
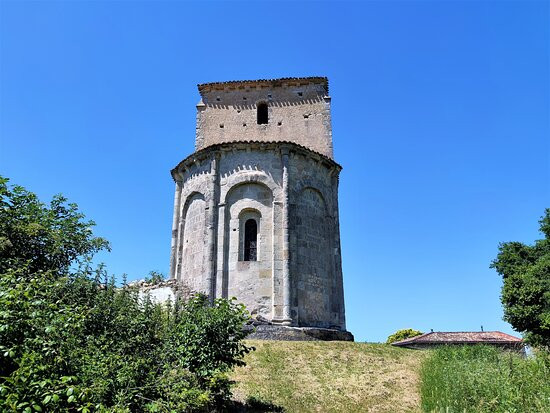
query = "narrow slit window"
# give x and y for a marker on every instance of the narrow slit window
(250, 240)
(262, 114)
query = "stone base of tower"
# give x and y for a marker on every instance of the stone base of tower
(285, 333)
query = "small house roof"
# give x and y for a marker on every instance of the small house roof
(461, 337)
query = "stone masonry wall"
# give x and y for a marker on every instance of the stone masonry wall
(298, 114)
(193, 247)
(281, 175)
(318, 298)
(217, 192)
(312, 259)
(250, 281)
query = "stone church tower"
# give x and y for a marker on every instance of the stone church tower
(256, 204)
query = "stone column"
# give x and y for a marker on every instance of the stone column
(339, 293)
(219, 288)
(211, 228)
(175, 221)
(327, 122)
(277, 259)
(199, 134)
(287, 318)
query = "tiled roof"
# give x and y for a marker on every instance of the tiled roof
(478, 337)
(202, 152)
(204, 87)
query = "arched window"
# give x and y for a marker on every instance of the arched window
(250, 240)
(262, 114)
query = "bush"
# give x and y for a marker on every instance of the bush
(74, 343)
(155, 277)
(484, 379)
(402, 335)
(70, 340)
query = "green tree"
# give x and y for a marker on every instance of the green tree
(71, 340)
(46, 238)
(402, 335)
(525, 270)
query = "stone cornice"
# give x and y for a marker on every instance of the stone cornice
(241, 84)
(287, 146)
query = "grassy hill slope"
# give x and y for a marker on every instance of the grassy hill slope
(330, 377)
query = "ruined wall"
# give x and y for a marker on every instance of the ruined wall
(298, 114)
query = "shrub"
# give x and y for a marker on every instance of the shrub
(484, 379)
(402, 335)
(155, 277)
(73, 342)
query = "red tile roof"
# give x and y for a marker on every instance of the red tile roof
(466, 337)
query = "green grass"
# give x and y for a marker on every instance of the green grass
(298, 377)
(484, 379)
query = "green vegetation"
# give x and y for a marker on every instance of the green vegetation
(402, 335)
(329, 377)
(70, 341)
(297, 377)
(155, 277)
(484, 379)
(525, 270)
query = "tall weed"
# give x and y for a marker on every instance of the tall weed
(484, 379)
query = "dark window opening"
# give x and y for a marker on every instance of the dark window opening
(262, 114)
(250, 240)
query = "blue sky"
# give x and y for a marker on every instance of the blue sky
(440, 120)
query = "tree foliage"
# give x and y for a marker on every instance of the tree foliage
(71, 340)
(45, 238)
(402, 335)
(525, 270)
